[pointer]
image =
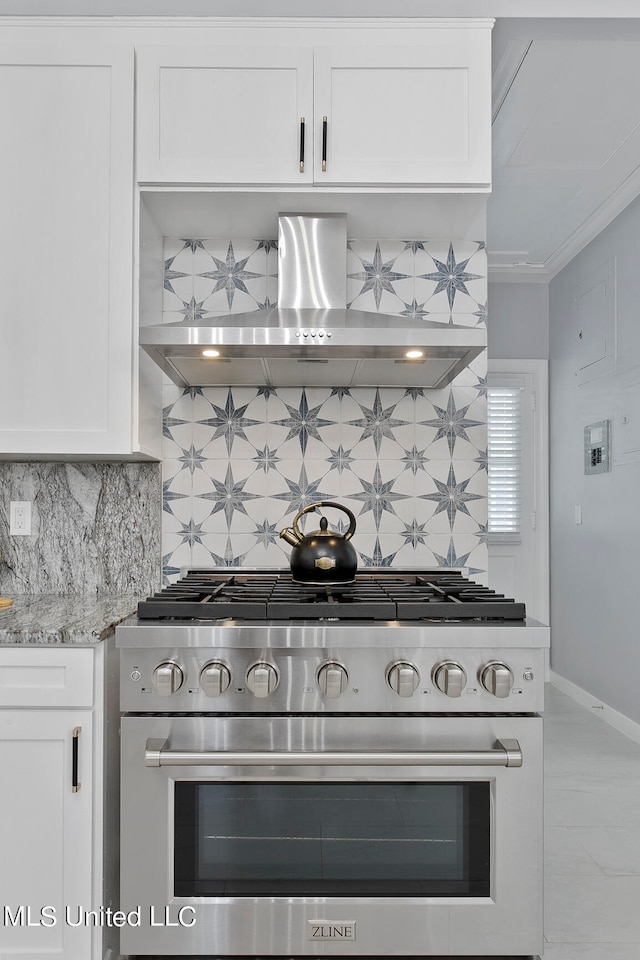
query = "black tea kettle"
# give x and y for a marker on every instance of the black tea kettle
(324, 556)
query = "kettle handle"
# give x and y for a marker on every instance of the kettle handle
(327, 503)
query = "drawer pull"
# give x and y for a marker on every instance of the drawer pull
(324, 144)
(301, 144)
(75, 738)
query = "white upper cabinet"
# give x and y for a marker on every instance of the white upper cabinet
(399, 108)
(413, 116)
(224, 114)
(68, 373)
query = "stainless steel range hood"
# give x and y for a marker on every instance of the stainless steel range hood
(311, 339)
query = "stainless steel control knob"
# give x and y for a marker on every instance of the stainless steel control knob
(403, 678)
(496, 678)
(332, 678)
(167, 678)
(449, 677)
(262, 679)
(215, 678)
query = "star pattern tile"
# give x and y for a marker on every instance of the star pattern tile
(191, 532)
(414, 310)
(169, 572)
(452, 496)
(192, 459)
(230, 465)
(414, 460)
(193, 245)
(193, 311)
(228, 495)
(170, 274)
(266, 533)
(169, 422)
(414, 533)
(480, 314)
(229, 558)
(266, 459)
(377, 422)
(452, 559)
(378, 496)
(229, 421)
(377, 276)
(378, 559)
(451, 422)
(451, 276)
(230, 275)
(168, 495)
(482, 460)
(340, 459)
(303, 422)
(302, 492)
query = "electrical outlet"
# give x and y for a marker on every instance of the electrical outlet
(20, 518)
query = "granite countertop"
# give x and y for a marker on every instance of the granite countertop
(53, 619)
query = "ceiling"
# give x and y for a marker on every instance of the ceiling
(566, 139)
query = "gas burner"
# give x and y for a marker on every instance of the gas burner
(378, 594)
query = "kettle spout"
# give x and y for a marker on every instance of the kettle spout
(290, 536)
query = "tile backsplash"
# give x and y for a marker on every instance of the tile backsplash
(411, 464)
(238, 464)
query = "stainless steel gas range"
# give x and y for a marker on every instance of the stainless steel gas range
(351, 770)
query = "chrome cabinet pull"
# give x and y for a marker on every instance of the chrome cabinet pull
(301, 144)
(75, 740)
(324, 144)
(505, 753)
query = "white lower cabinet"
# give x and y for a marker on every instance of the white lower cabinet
(51, 817)
(45, 834)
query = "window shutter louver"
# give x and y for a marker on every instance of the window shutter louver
(504, 433)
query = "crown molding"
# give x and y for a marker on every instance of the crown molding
(595, 223)
(517, 272)
(503, 271)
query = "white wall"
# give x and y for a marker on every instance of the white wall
(518, 321)
(595, 595)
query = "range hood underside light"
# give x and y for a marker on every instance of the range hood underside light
(187, 367)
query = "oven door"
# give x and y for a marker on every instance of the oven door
(321, 835)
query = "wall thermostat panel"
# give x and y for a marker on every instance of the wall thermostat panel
(596, 447)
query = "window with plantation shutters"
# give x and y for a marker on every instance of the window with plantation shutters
(504, 435)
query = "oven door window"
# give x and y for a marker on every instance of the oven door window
(332, 839)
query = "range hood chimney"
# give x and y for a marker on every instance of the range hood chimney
(311, 339)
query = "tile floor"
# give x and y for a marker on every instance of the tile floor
(592, 836)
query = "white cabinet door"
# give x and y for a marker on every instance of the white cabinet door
(412, 110)
(45, 835)
(413, 115)
(66, 249)
(223, 114)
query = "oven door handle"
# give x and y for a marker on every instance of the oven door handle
(505, 753)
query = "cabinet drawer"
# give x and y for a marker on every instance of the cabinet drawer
(46, 677)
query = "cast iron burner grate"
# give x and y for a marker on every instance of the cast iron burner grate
(379, 595)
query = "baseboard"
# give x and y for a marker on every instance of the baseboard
(602, 710)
